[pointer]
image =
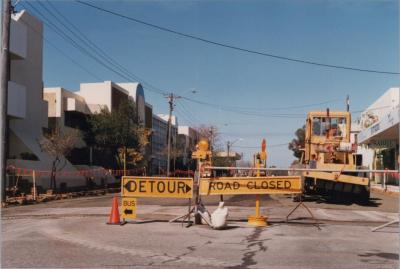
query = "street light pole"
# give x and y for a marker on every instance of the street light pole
(4, 78)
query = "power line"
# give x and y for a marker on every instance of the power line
(105, 56)
(102, 61)
(75, 44)
(238, 111)
(244, 109)
(233, 47)
(190, 114)
(278, 108)
(60, 51)
(125, 73)
(268, 146)
(255, 134)
(71, 41)
(184, 116)
(80, 35)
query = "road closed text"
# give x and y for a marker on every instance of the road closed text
(261, 185)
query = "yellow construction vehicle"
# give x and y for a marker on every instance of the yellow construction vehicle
(328, 147)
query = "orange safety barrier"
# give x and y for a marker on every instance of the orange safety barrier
(87, 173)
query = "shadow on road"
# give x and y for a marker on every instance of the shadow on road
(338, 200)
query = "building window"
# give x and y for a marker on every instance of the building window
(75, 119)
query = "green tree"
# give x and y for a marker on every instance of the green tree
(118, 134)
(297, 143)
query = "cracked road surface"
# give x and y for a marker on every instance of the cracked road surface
(54, 236)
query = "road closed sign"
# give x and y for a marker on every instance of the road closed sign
(250, 185)
(164, 187)
(128, 208)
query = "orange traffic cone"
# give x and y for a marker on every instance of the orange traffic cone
(114, 215)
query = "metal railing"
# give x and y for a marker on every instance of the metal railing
(302, 169)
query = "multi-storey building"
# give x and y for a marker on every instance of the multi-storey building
(27, 110)
(159, 142)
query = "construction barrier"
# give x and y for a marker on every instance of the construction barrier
(164, 187)
(87, 172)
(250, 185)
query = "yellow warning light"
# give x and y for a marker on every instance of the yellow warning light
(203, 145)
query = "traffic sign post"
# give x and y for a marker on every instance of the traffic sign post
(259, 220)
(202, 153)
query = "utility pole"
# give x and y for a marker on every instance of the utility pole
(171, 98)
(228, 145)
(4, 78)
(348, 103)
(211, 138)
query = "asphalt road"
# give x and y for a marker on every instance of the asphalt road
(378, 201)
(73, 234)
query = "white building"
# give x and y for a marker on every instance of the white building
(109, 95)
(26, 108)
(379, 125)
(66, 109)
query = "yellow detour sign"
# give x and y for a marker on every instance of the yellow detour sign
(250, 185)
(165, 187)
(128, 208)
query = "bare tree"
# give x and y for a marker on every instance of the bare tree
(58, 144)
(211, 133)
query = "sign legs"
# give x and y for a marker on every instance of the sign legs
(186, 216)
(301, 203)
(385, 225)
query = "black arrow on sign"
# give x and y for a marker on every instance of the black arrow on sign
(187, 188)
(128, 211)
(127, 186)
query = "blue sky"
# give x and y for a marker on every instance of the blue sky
(360, 34)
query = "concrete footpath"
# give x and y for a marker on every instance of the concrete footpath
(388, 189)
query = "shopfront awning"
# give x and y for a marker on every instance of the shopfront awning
(384, 131)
